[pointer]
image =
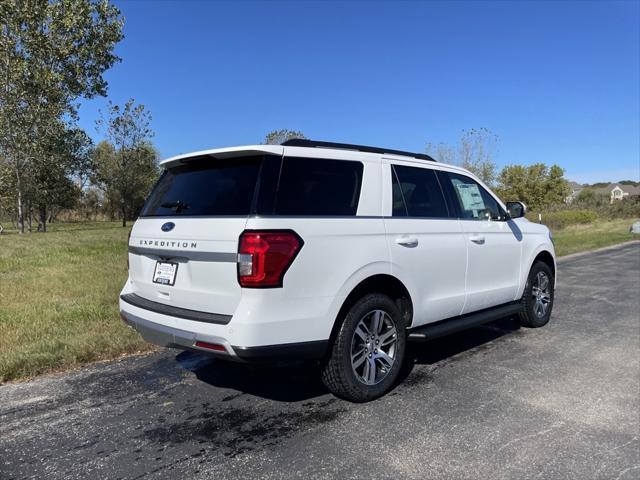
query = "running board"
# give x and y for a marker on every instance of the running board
(457, 324)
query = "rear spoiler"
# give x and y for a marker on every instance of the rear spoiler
(223, 153)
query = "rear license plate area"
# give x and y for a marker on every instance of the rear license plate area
(165, 273)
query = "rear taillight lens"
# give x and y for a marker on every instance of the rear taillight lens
(264, 257)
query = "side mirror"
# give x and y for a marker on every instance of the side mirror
(516, 209)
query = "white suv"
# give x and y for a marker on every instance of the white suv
(333, 252)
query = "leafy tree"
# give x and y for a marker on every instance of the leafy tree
(277, 137)
(537, 185)
(91, 203)
(7, 205)
(52, 52)
(65, 156)
(126, 163)
(474, 151)
(557, 187)
(589, 198)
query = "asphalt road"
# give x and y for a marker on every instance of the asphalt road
(494, 402)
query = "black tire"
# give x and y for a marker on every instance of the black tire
(338, 374)
(531, 314)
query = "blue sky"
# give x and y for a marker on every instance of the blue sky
(558, 82)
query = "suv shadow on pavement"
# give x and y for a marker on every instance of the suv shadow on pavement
(283, 383)
(299, 382)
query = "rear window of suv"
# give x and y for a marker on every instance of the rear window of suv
(289, 186)
(205, 187)
(314, 186)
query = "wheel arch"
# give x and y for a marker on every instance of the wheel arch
(545, 256)
(378, 283)
(544, 253)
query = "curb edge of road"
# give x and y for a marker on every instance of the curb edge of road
(571, 256)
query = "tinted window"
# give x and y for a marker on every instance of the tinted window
(205, 186)
(312, 186)
(417, 193)
(474, 201)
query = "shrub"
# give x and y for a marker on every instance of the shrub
(564, 218)
(587, 209)
(626, 208)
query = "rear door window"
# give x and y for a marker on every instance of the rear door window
(315, 186)
(417, 193)
(205, 186)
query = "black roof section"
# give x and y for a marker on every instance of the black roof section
(303, 142)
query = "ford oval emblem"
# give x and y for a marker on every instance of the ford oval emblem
(167, 227)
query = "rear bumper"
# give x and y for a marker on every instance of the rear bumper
(136, 315)
(138, 301)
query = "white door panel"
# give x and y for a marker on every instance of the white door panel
(494, 245)
(493, 271)
(432, 253)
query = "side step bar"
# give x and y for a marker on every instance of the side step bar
(457, 324)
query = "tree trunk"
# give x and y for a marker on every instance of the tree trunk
(42, 219)
(20, 221)
(132, 212)
(124, 216)
(30, 217)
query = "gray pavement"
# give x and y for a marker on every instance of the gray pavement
(494, 402)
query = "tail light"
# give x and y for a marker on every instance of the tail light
(264, 257)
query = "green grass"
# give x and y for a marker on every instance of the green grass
(59, 291)
(58, 298)
(601, 233)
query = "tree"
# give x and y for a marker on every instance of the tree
(91, 203)
(126, 163)
(65, 156)
(7, 205)
(278, 137)
(589, 198)
(52, 52)
(536, 185)
(475, 151)
(443, 153)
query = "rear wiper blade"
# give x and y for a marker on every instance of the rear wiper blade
(178, 205)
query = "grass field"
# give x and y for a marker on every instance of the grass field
(58, 298)
(578, 238)
(59, 290)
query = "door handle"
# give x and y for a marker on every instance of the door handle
(407, 241)
(479, 239)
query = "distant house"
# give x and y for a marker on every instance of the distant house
(576, 188)
(615, 191)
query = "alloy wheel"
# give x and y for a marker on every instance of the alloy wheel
(541, 294)
(373, 347)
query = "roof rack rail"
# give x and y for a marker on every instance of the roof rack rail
(303, 142)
